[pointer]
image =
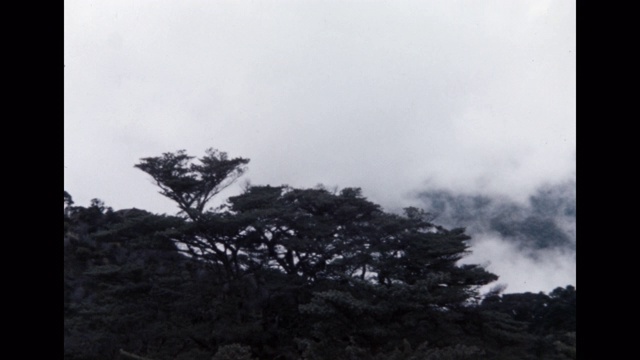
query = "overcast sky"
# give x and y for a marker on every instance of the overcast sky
(390, 96)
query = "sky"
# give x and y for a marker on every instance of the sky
(394, 97)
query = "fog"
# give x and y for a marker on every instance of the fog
(531, 245)
(394, 97)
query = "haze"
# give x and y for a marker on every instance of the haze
(395, 97)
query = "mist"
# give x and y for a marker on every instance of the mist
(394, 97)
(531, 246)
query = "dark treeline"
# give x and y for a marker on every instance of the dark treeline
(285, 273)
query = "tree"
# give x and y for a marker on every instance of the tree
(369, 277)
(192, 185)
(546, 323)
(125, 286)
(282, 273)
(285, 273)
(68, 201)
(310, 233)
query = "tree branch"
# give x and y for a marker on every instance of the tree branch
(133, 356)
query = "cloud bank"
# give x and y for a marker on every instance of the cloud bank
(391, 96)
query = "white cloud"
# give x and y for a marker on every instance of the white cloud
(519, 271)
(390, 96)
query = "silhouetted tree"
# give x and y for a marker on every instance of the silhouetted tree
(191, 185)
(286, 273)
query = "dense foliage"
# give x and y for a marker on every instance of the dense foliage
(285, 273)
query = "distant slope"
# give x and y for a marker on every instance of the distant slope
(548, 221)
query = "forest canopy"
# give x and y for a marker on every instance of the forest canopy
(278, 272)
